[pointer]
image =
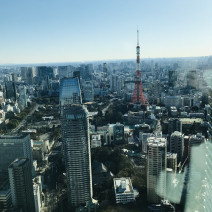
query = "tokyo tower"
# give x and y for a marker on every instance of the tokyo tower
(138, 95)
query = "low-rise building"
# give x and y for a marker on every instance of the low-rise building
(96, 141)
(123, 189)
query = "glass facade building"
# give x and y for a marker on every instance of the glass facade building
(12, 147)
(21, 185)
(70, 92)
(76, 142)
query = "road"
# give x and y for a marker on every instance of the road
(23, 122)
(105, 109)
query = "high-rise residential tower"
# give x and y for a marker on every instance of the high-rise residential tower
(21, 185)
(76, 142)
(156, 169)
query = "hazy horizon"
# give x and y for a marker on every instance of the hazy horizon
(100, 61)
(54, 31)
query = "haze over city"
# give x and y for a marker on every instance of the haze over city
(75, 31)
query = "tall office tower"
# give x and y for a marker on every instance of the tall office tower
(77, 74)
(88, 91)
(14, 77)
(22, 97)
(156, 169)
(43, 74)
(10, 90)
(105, 70)
(21, 185)
(120, 84)
(12, 147)
(113, 82)
(23, 73)
(85, 73)
(174, 124)
(27, 74)
(177, 145)
(76, 141)
(66, 71)
(172, 78)
(30, 74)
(63, 71)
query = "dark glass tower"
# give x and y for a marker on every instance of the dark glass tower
(21, 185)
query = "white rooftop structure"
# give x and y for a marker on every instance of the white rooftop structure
(123, 189)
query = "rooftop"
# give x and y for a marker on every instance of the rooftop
(171, 155)
(18, 162)
(5, 137)
(123, 185)
(153, 141)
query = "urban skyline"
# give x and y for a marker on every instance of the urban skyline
(51, 31)
(125, 135)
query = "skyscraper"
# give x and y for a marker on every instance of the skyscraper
(156, 169)
(10, 90)
(21, 185)
(70, 92)
(175, 124)
(88, 91)
(12, 147)
(177, 144)
(76, 141)
(22, 97)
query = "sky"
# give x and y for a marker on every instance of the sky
(42, 31)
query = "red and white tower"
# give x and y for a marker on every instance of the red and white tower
(138, 95)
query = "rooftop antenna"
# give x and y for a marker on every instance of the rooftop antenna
(137, 36)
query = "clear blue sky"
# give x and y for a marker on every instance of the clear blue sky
(40, 31)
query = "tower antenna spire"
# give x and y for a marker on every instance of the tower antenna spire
(137, 36)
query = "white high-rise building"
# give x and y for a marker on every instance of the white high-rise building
(156, 169)
(36, 192)
(76, 140)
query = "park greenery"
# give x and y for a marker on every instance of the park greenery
(121, 166)
(15, 119)
(113, 114)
